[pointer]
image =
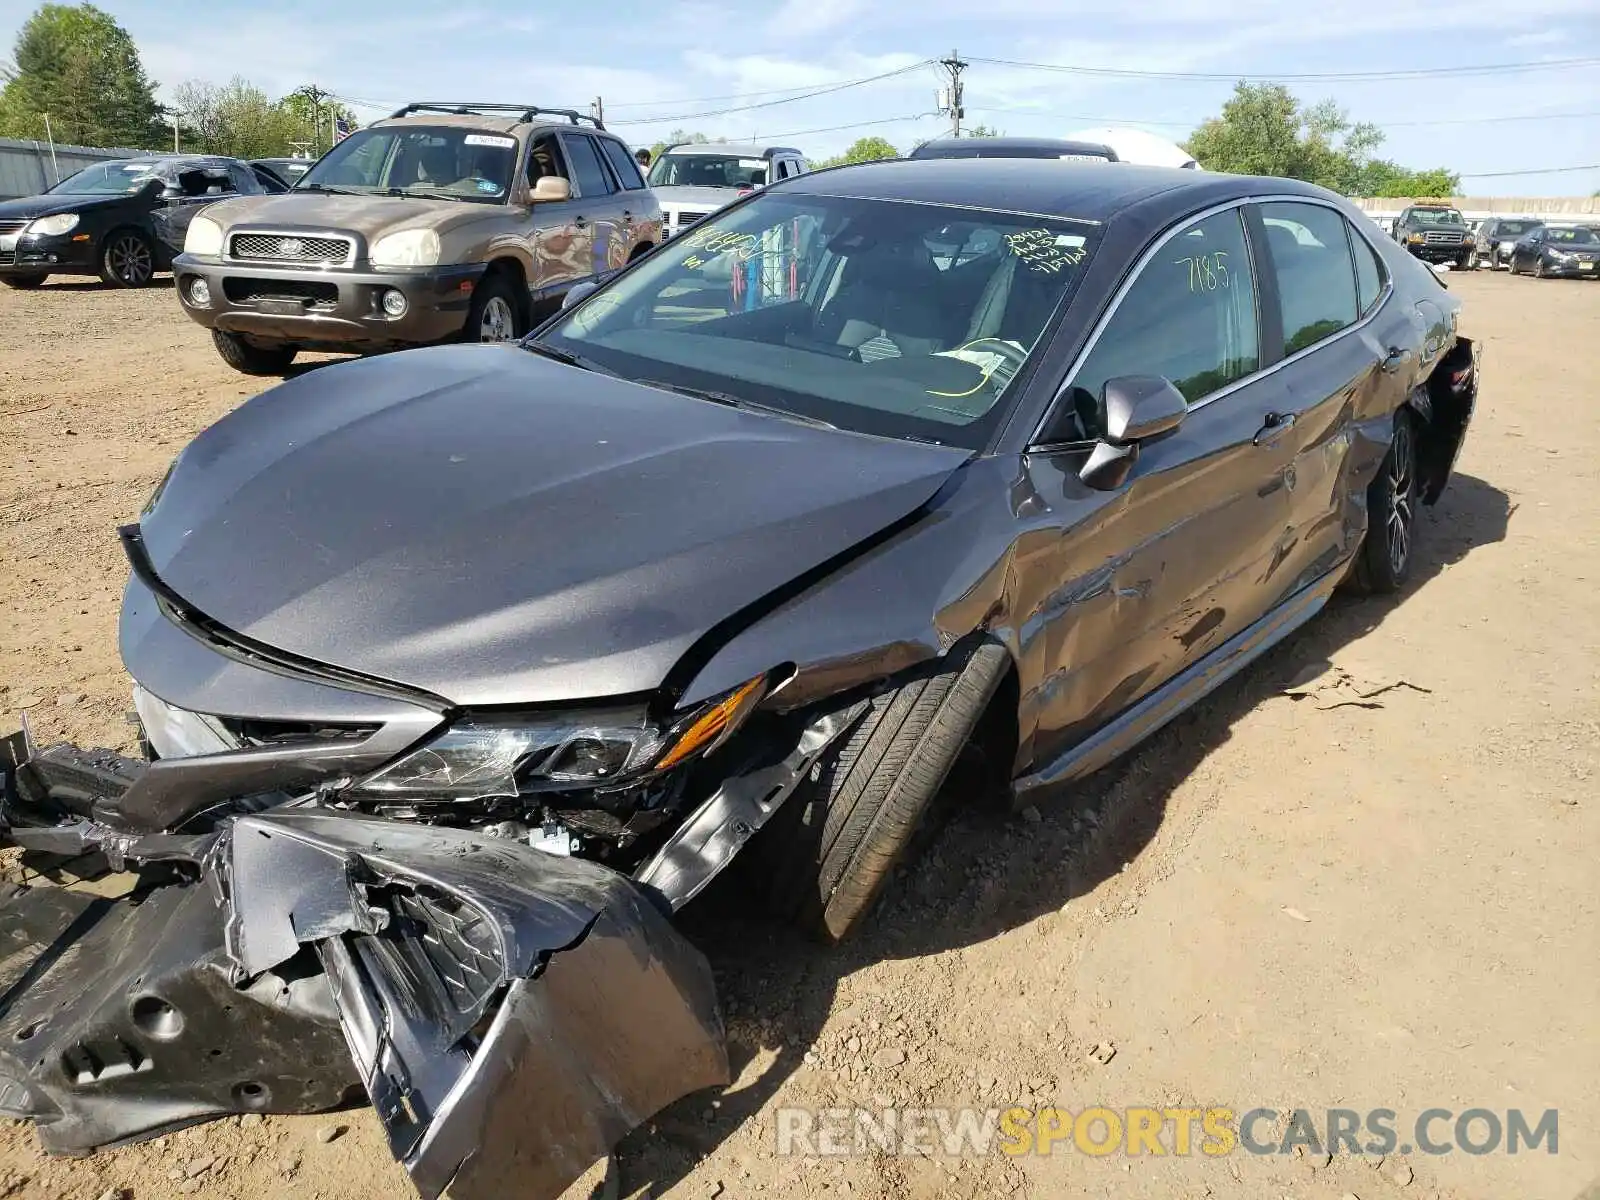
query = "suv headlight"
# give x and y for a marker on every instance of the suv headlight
(204, 237)
(56, 225)
(480, 758)
(408, 248)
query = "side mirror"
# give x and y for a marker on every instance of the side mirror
(551, 189)
(152, 189)
(579, 292)
(1138, 408)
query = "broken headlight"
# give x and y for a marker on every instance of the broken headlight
(482, 757)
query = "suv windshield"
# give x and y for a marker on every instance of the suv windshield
(898, 319)
(1514, 228)
(107, 179)
(1436, 216)
(1581, 237)
(446, 161)
(708, 170)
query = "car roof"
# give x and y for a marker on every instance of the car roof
(1059, 145)
(743, 149)
(1089, 191)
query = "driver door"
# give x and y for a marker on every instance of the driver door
(1135, 584)
(560, 239)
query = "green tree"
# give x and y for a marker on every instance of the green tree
(1264, 130)
(982, 131)
(237, 118)
(311, 113)
(867, 149)
(76, 64)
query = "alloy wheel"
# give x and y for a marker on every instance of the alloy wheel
(130, 260)
(498, 324)
(1402, 501)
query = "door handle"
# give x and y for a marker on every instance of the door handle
(1276, 426)
(626, 215)
(1392, 360)
(581, 222)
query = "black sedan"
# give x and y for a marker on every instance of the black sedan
(460, 668)
(122, 220)
(1558, 251)
(1495, 238)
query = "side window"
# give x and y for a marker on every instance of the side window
(587, 171)
(1190, 316)
(1369, 272)
(244, 182)
(545, 158)
(623, 163)
(1316, 278)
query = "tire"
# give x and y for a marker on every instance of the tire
(127, 259)
(252, 360)
(496, 313)
(24, 283)
(1383, 563)
(1538, 267)
(1473, 262)
(829, 852)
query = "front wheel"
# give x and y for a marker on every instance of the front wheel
(828, 853)
(1473, 262)
(127, 259)
(495, 315)
(250, 359)
(1384, 561)
(1538, 267)
(24, 283)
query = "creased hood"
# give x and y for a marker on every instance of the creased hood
(367, 215)
(497, 528)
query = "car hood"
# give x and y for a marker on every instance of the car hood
(697, 197)
(370, 216)
(43, 206)
(496, 528)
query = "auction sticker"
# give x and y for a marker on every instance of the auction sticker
(490, 139)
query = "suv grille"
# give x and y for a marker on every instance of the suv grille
(288, 247)
(1438, 238)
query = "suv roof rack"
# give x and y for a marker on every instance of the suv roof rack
(524, 112)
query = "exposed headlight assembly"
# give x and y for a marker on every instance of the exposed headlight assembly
(482, 757)
(408, 248)
(55, 226)
(204, 238)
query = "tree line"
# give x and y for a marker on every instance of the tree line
(76, 77)
(77, 69)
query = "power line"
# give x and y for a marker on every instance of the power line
(824, 91)
(1534, 171)
(852, 125)
(1557, 64)
(1488, 120)
(1060, 116)
(730, 96)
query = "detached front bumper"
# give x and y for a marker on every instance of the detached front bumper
(510, 1013)
(326, 309)
(1572, 269)
(1440, 254)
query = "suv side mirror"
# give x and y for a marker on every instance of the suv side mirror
(551, 189)
(1138, 408)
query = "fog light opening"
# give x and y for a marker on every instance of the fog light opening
(200, 293)
(394, 302)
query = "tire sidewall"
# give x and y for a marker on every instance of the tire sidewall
(1377, 571)
(108, 275)
(492, 287)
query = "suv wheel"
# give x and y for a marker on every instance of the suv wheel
(494, 316)
(252, 360)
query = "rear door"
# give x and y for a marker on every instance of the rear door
(641, 216)
(1147, 580)
(600, 205)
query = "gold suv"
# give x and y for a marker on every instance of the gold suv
(445, 221)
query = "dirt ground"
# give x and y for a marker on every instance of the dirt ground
(1278, 902)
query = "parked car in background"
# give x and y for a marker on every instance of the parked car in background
(1013, 147)
(693, 180)
(1495, 237)
(288, 170)
(1566, 251)
(1435, 233)
(465, 667)
(443, 221)
(122, 220)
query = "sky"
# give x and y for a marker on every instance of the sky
(665, 66)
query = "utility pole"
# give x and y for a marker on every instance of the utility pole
(175, 149)
(597, 107)
(950, 98)
(316, 96)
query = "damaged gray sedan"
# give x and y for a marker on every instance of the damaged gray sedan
(460, 670)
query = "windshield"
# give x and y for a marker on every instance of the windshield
(708, 170)
(904, 320)
(1437, 216)
(447, 162)
(107, 179)
(1581, 237)
(1515, 228)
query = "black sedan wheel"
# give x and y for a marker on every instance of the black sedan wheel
(1384, 560)
(1538, 267)
(829, 852)
(127, 259)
